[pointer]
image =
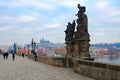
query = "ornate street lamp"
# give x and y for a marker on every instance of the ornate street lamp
(28, 48)
(14, 46)
(24, 50)
(32, 43)
(33, 46)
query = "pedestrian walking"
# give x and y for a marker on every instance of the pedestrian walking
(13, 56)
(3, 55)
(0, 51)
(23, 55)
(6, 55)
(35, 55)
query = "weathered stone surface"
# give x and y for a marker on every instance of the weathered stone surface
(61, 62)
(100, 65)
(69, 38)
(114, 67)
(88, 63)
(96, 70)
(77, 43)
(118, 75)
(82, 35)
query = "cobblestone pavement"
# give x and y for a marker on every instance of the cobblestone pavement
(26, 69)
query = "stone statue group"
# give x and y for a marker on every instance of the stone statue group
(77, 41)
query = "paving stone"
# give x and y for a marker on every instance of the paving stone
(26, 69)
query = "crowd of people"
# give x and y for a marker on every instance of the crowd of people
(6, 52)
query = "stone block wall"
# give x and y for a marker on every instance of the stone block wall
(61, 61)
(97, 70)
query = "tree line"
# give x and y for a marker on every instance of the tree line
(106, 45)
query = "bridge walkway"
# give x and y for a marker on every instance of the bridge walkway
(26, 69)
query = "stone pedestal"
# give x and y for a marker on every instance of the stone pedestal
(81, 49)
(84, 49)
(76, 49)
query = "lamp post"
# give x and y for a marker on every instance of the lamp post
(18, 50)
(33, 49)
(13, 54)
(33, 46)
(28, 48)
(32, 42)
(24, 50)
(14, 46)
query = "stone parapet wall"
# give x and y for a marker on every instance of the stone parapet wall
(61, 61)
(97, 70)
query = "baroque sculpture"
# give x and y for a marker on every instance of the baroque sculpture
(77, 42)
(69, 38)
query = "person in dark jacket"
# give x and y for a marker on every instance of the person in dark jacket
(6, 55)
(35, 55)
(23, 55)
(13, 56)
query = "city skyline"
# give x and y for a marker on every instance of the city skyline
(22, 20)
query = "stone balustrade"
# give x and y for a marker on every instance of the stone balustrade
(61, 61)
(97, 70)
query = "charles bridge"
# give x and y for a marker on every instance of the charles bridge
(77, 59)
(78, 56)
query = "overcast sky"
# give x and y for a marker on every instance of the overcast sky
(22, 20)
